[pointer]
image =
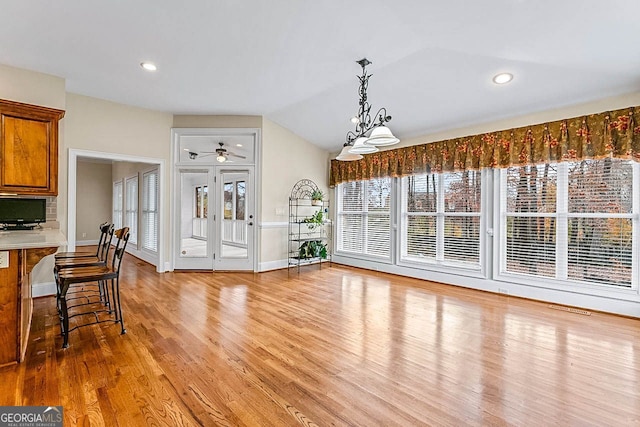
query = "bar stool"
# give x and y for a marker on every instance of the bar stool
(88, 259)
(109, 275)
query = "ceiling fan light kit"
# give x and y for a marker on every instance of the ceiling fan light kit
(370, 132)
(222, 154)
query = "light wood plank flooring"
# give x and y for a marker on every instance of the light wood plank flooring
(337, 346)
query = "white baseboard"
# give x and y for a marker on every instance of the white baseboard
(272, 265)
(87, 242)
(43, 289)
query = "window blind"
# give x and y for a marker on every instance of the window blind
(440, 219)
(131, 208)
(117, 205)
(150, 210)
(364, 217)
(571, 221)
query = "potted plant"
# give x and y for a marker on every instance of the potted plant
(313, 249)
(314, 220)
(316, 197)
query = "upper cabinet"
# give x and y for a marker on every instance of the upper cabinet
(28, 149)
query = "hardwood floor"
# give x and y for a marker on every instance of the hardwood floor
(337, 346)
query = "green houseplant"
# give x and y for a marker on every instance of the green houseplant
(313, 249)
(314, 220)
(316, 197)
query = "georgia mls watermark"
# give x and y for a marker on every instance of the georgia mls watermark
(30, 416)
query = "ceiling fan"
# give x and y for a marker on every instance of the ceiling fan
(222, 154)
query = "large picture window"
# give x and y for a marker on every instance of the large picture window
(571, 221)
(440, 218)
(364, 218)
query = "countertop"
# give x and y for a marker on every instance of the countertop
(27, 239)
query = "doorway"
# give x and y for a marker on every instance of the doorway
(214, 205)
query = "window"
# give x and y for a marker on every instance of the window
(150, 211)
(440, 218)
(117, 205)
(364, 217)
(202, 201)
(571, 221)
(131, 206)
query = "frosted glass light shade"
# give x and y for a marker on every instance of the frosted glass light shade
(382, 135)
(360, 147)
(346, 156)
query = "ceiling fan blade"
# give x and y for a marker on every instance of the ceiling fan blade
(236, 155)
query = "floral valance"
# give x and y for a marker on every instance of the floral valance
(608, 134)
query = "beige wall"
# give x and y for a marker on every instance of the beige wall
(93, 204)
(187, 121)
(32, 88)
(286, 159)
(98, 125)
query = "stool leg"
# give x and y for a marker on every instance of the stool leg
(65, 321)
(117, 295)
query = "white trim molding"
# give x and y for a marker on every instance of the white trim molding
(74, 154)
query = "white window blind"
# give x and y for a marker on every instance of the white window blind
(364, 217)
(571, 221)
(531, 199)
(131, 208)
(117, 204)
(150, 210)
(600, 221)
(440, 218)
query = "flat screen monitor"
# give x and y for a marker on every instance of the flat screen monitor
(15, 212)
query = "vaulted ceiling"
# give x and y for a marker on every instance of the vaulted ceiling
(293, 61)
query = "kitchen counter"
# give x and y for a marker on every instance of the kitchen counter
(28, 239)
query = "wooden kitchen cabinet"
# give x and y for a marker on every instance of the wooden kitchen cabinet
(28, 149)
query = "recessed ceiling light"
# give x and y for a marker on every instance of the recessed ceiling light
(238, 145)
(502, 78)
(149, 66)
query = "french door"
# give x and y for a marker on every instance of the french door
(235, 219)
(214, 224)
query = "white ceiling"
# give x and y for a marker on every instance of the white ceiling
(293, 60)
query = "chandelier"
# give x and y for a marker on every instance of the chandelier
(370, 131)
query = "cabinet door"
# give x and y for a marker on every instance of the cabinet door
(28, 149)
(25, 154)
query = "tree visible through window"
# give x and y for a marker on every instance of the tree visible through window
(571, 221)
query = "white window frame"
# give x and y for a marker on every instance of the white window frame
(117, 198)
(440, 216)
(364, 213)
(561, 281)
(147, 210)
(131, 217)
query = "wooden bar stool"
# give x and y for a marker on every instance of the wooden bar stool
(109, 275)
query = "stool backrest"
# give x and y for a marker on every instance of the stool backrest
(122, 234)
(104, 230)
(103, 250)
